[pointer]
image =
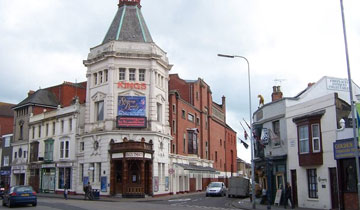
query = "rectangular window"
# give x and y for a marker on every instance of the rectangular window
(304, 139)
(99, 171)
(33, 132)
(15, 155)
(192, 142)
(184, 144)
(132, 74)
(142, 75)
(174, 108)
(53, 128)
(183, 114)
(47, 129)
(82, 146)
(64, 149)
(101, 77)
(21, 132)
(159, 112)
(92, 174)
(190, 117)
(64, 178)
(312, 183)
(95, 79)
(276, 131)
(39, 131)
(49, 148)
(70, 124)
(174, 126)
(122, 74)
(315, 130)
(197, 121)
(215, 156)
(106, 75)
(6, 160)
(99, 110)
(82, 172)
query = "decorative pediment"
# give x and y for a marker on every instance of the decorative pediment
(99, 96)
(131, 92)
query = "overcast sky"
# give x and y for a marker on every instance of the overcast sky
(43, 43)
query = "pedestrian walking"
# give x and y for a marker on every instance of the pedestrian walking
(85, 188)
(288, 195)
(66, 191)
(89, 192)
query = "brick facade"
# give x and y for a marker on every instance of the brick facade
(191, 107)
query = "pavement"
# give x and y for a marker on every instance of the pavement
(237, 203)
(246, 204)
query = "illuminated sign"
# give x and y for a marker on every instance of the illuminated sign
(344, 149)
(130, 122)
(131, 106)
(132, 85)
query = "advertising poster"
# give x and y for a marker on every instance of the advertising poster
(166, 183)
(86, 180)
(103, 184)
(131, 106)
(156, 183)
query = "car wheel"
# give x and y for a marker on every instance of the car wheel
(34, 204)
(10, 204)
(3, 203)
(207, 195)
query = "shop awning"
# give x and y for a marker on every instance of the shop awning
(195, 168)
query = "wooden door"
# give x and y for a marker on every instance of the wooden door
(334, 188)
(294, 187)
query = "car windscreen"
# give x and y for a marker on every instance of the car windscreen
(23, 189)
(215, 184)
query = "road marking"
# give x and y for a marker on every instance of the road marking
(180, 200)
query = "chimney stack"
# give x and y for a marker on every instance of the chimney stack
(30, 92)
(277, 94)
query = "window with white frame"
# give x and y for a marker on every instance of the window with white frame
(190, 117)
(6, 161)
(122, 74)
(132, 74)
(304, 139)
(312, 183)
(99, 107)
(141, 75)
(101, 77)
(64, 149)
(70, 124)
(315, 130)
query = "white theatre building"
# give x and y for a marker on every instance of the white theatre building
(124, 146)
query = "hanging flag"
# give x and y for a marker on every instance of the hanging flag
(245, 135)
(244, 143)
(358, 121)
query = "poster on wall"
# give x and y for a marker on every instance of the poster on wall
(131, 106)
(166, 183)
(85, 180)
(103, 184)
(156, 184)
(131, 122)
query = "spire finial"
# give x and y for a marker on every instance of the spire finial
(129, 2)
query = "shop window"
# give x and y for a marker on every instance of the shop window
(64, 178)
(348, 168)
(312, 183)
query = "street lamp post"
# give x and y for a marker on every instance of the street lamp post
(352, 104)
(251, 132)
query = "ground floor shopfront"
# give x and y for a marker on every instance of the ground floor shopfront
(5, 174)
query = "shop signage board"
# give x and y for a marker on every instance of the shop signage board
(344, 149)
(131, 122)
(131, 106)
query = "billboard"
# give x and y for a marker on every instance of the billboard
(131, 122)
(131, 106)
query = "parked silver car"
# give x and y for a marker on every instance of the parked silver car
(216, 188)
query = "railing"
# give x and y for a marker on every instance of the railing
(135, 190)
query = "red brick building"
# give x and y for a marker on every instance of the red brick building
(6, 118)
(198, 126)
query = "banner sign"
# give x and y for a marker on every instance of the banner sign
(131, 122)
(344, 149)
(131, 106)
(103, 184)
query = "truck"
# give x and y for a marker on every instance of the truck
(238, 187)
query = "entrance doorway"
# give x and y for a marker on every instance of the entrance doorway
(118, 177)
(334, 188)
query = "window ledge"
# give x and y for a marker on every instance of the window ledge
(313, 199)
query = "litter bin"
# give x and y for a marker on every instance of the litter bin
(96, 194)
